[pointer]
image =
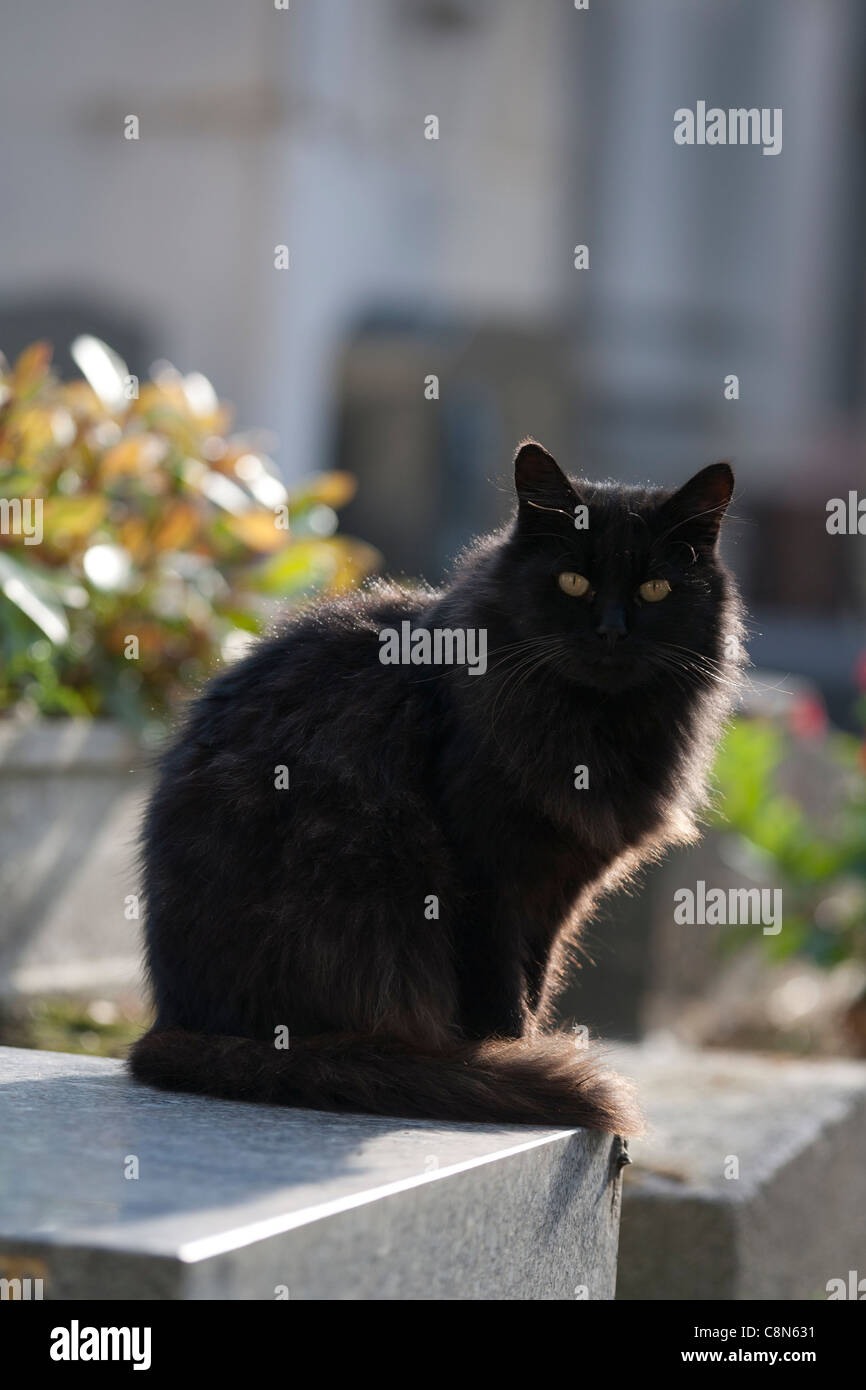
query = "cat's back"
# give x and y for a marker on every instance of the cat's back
(315, 697)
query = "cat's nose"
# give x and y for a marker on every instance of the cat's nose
(612, 625)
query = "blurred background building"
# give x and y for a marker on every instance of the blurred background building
(454, 257)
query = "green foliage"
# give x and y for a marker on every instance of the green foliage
(818, 862)
(96, 1028)
(157, 524)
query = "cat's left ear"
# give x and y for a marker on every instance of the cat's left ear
(694, 513)
(541, 484)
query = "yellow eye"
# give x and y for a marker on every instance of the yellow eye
(573, 584)
(654, 590)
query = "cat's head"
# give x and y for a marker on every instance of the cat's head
(624, 583)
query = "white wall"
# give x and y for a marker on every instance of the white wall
(260, 127)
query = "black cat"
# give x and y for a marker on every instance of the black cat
(388, 860)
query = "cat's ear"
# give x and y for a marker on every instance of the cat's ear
(541, 484)
(694, 513)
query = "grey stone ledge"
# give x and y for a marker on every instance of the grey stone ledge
(240, 1201)
(793, 1217)
(52, 746)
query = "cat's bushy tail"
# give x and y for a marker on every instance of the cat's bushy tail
(536, 1080)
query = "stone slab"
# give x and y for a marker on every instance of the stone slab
(72, 792)
(242, 1201)
(752, 1180)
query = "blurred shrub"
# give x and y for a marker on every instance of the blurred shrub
(158, 525)
(817, 859)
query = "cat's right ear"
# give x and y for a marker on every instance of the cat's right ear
(541, 485)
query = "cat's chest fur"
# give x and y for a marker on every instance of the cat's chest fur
(562, 780)
(548, 810)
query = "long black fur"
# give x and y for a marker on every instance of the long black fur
(309, 908)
